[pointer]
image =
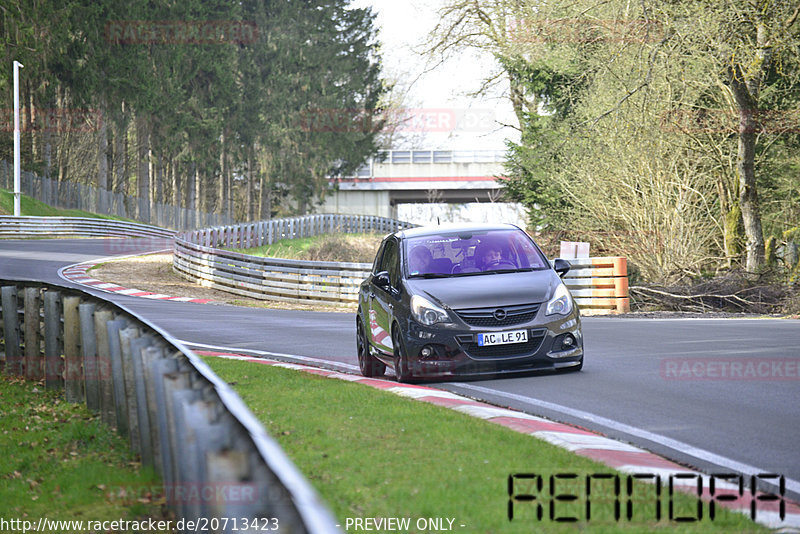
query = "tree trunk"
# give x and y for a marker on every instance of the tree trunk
(158, 198)
(265, 204)
(143, 177)
(120, 147)
(29, 110)
(229, 182)
(102, 161)
(190, 187)
(47, 148)
(745, 84)
(200, 193)
(248, 213)
(222, 181)
(176, 185)
(748, 192)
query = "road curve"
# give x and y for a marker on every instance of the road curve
(635, 384)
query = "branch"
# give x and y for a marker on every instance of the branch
(688, 297)
(791, 20)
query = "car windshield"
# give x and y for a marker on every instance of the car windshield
(471, 252)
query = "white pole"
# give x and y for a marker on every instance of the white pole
(17, 186)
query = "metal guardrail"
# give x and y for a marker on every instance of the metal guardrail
(26, 227)
(215, 459)
(198, 259)
(599, 285)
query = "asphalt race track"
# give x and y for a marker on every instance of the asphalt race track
(721, 395)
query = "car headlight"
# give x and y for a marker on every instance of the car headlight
(426, 312)
(561, 303)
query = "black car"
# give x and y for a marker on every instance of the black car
(462, 301)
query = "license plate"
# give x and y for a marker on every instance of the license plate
(502, 338)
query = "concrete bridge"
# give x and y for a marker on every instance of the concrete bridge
(418, 176)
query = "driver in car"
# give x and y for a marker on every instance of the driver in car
(421, 259)
(489, 256)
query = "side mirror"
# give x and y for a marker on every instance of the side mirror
(381, 280)
(562, 267)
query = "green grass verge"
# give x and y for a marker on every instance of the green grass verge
(372, 454)
(33, 208)
(61, 462)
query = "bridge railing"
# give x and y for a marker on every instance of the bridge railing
(199, 257)
(404, 157)
(215, 459)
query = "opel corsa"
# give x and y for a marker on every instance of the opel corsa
(465, 301)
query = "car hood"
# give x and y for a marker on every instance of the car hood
(480, 291)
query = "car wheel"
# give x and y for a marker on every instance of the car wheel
(401, 368)
(370, 366)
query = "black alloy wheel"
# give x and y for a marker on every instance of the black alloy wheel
(370, 366)
(402, 370)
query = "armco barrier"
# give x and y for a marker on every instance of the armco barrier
(216, 461)
(197, 258)
(26, 227)
(599, 285)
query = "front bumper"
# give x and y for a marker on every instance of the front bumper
(454, 351)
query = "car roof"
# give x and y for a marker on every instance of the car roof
(422, 231)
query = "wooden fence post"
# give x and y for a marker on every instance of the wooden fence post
(11, 330)
(104, 375)
(53, 346)
(89, 353)
(33, 334)
(126, 338)
(73, 369)
(138, 346)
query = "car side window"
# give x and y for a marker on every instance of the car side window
(376, 266)
(391, 263)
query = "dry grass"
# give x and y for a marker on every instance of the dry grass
(356, 248)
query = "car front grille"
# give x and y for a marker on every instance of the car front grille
(486, 316)
(530, 347)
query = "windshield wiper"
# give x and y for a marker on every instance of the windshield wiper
(430, 275)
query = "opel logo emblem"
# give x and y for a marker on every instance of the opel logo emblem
(499, 314)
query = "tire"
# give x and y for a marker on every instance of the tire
(401, 368)
(370, 366)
